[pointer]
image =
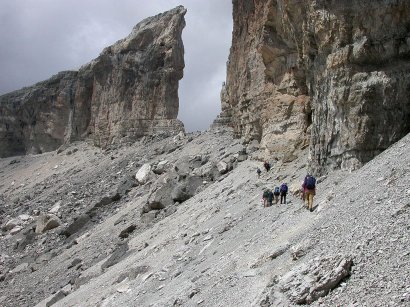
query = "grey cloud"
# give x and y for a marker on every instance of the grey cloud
(42, 37)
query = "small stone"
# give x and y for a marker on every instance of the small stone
(55, 208)
(15, 230)
(123, 288)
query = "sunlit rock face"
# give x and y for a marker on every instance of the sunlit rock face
(129, 91)
(332, 75)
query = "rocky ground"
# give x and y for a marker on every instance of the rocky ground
(79, 228)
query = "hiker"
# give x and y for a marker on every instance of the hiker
(266, 165)
(283, 192)
(258, 171)
(270, 198)
(267, 197)
(276, 193)
(309, 185)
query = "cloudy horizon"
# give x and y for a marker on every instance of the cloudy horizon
(42, 37)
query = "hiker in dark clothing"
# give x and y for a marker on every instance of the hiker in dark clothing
(270, 198)
(283, 192)
(276, 193)
(267, 198)
(267, 166)
(258, 171)
(309, 186)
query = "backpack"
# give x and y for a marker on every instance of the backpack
(284, 188)
(277, 191)
(266, 194)
(310, 182)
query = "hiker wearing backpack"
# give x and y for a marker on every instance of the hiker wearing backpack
(276, 193)
(266, 165)
(258, 171)
(283, 192)
(267, 198)
(309, 186)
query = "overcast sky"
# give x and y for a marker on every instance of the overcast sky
(39, 38)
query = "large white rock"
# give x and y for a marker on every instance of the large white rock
(143, 173)
(46, 222)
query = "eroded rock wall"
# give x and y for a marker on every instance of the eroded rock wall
(129, 91)
(334, 74)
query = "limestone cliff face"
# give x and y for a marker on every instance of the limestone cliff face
(129, 91)
(335, 74)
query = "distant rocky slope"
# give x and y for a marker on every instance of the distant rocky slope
(129, 91)
(332, 74)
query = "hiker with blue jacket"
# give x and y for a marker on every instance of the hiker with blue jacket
(283, 192)
(309, 187)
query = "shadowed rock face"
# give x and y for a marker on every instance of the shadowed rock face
(341, 65)
(129, 91)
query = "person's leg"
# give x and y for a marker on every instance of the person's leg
(306, 201)
(284, 198)
(310, 200)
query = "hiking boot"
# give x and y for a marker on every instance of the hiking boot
(311, 209)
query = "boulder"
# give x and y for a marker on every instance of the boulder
(76, 225)
(126, 185)
(186, 189)
(55, 208)
(15, 230)
(161, 167)
(309, 281)
(143, 173)
(46, 222)
(10, 224)
(223, 167)
(160, 198)
(242, 157)
(127, 231)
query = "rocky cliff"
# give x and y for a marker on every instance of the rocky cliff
(332, 74)
(129, 91)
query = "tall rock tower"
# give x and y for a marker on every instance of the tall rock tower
(129, 91)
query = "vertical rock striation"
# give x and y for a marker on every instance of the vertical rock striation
(129, 91)
(334, 74)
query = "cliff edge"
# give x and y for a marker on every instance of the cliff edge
(128, 91)
(332, 75)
